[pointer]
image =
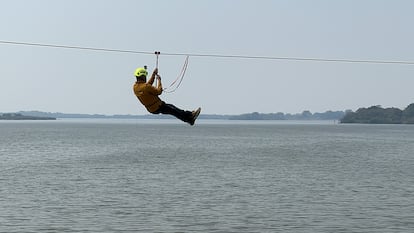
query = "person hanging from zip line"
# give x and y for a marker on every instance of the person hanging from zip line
(148, 95)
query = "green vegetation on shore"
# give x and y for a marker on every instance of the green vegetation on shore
(305, 115)
(19, 116)
(379, 115)
(371, 115)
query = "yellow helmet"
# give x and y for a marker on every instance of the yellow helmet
(141, 72)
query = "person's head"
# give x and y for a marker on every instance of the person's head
(141, 74)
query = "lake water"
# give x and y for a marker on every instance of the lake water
(219, 176)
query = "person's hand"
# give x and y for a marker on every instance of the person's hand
(158, 77)
(156, 71)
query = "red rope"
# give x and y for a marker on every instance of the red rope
(179, 79)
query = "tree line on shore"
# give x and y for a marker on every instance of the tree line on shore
(372, 115)
(305, 115)
(379, 115)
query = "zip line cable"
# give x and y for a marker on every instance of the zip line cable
(73, 47)
(211, 55)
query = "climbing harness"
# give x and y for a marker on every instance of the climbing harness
(177, 82)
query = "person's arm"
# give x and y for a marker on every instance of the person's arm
(154, 73)
(154, 90)
(159, 87)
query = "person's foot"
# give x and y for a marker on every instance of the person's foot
(195, 115)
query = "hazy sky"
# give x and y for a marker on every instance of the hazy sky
(78, 81)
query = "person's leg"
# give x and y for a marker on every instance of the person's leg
(170, 109)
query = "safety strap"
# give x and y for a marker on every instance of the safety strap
(178, 80)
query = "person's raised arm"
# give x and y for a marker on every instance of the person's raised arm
(159, 87)
(154, 73)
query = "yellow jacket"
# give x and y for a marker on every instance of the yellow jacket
(148, 95)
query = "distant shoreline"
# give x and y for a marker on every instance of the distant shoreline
(379, 115)
(19, 116)
(305, 115)
(371, 115)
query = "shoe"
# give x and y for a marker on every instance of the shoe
(195, 115)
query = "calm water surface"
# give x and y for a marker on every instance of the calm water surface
(164, 176)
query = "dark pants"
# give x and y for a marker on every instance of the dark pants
(170, 109)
